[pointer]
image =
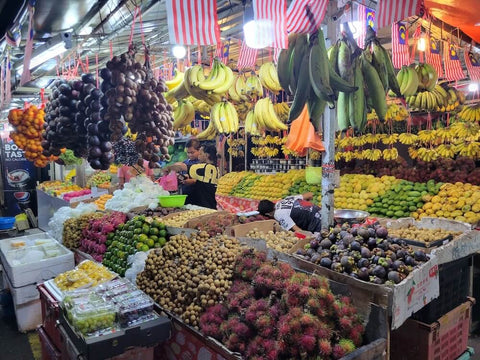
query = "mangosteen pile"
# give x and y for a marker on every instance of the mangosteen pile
(366, 253)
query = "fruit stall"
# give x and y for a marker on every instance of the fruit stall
(343, 102)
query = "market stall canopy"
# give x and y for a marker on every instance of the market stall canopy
(463, 14)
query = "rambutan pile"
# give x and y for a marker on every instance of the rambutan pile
(273, 312)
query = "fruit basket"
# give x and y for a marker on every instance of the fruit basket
(172, 200)
(349, 215)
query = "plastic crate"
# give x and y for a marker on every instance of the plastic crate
(49, 351)
(454, 283)
(50, 315)
(467, 355)
(445, 339)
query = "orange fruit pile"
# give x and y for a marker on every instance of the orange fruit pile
(27, 135)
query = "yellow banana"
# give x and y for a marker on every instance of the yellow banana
(177, 79)
(227, 82)
(215, 117)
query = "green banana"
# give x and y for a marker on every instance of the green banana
(393, 84)
(333, 56)
(282, 69)
(316, 107)
(301, 48)
(342, 111)
(283, 64)
(374, 85)
(379, 63)
(357, 98)
(318, 68)
(344, 62)
(293, 80)
(337, 83)
(303, 90)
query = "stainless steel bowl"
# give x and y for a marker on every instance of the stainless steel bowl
(349, 215)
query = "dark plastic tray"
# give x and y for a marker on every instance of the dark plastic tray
(430, 244)
(146, 334)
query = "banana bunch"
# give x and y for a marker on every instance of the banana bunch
(390, 154)
(189, 130)
(407, 138)
(238, 91)
(390, 139)
(236, 147)
(445, 134)
(408, 80)
(427, 136)
(471, 149)
(463, 130)
(373, 138)
(425, 101)
(265, 116)
(282, 110)
(177, 93)
(427, 76)
(455, 98)
(265, 151)
(470, 113)
(372, 154)
(396, 112)
(224, 117)
(287, 152)
(269, 77)
(269, 140)
(253, 86)
(305, 71)
(208, 88)
(183, 115)
(243, 108)
(209, 133)
(426, 154)
(201, 106)
(251, 124)
(177, 80)
(358, 141)
(446, 150)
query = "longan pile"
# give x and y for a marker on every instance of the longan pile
(190, 273)
(72, 229)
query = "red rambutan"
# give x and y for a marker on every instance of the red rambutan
(338, 352)
(324, 347)
(307, 320)
(324, 332)
(307, 343)
(345, 323)
(356, 336)
(264, 321)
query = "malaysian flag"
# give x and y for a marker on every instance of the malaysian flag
(276, 53)
(193, 22)
(400, 55)
(366, 18)
(222, 52)
(432, 55)
(272, 13)
(247, 58)
(305, 16)
(451, 61)
(28, 48)
(473, 65)
(390, 11)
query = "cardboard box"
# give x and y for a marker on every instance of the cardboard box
(242, 230)
(192, 223)
(445, 338)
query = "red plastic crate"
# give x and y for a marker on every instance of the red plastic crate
(444, 339)
(49, 351)
(50, 315)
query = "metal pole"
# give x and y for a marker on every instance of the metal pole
(329, 121)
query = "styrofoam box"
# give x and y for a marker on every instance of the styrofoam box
(24, 294)
(38, 271)
(29, 315)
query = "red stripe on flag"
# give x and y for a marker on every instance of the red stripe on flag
(453, 68)
(400, 54)
(193, 22)
(274, 12)
(390, 11)
(297, 20)
(247, 57)
(473, 71)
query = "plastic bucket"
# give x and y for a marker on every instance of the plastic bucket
(313, 174)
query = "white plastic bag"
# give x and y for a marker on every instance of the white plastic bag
(137, 262)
